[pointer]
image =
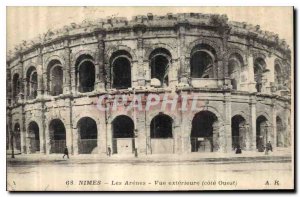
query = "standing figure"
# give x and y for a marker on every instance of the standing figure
(109, 151)
(66, 152)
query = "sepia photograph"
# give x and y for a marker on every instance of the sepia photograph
(149, 98)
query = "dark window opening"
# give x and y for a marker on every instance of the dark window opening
(87, 128)
(202, 131)
(32, 83)
(86, 76)
(278, 77)
(259, 66)
(161, 127)
(55, 78)
(280, 142)
(121, 73)
(34, 137)
(159, 63)
(57, 136)
(235, 65)
(261, 132)
(201, 65)
(17, 137)
(16, 85)
(123, 127)
(238, 132)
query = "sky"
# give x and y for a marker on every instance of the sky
(25, 23)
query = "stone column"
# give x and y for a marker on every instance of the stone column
(141, 138)
(227, 123)
(274, 142)
(67, 68)
(250, 79)
(40, 87)
(47, 141)
(109, 135)
(99, 62)
(101, 137)
(184, 72)
(147, 136)
(75, 141)
(140, 67)
(252, 125)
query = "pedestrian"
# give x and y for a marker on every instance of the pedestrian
(238, 150)
(269, 146)
(66, 153)
(109, 151)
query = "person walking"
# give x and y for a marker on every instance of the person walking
(66, 153)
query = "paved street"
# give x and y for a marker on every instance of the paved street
(115, 174)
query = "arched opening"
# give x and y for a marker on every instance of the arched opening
(278, 77)
(204, 132)
(85, 73)
(120, 70)
(123, 135)
(259, 67)
(57, 136)
(280, 133)
(16, 86)
(161, 134)
(55, 78)
(160, 60)
(262, 133)
(238, 132)
(31, 83)
(17, 137)
(202, 61)
(34, 137)
(235, 66)
(87, 142)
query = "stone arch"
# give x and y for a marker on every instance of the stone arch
(112, 49)
(123, 135)
(263, 132)
(213, 44)
(278, 73)
(31, 82)
(55, 57)
(75, 56)
(161, 126)
(55, 75)
(88, 135)
(57, 132)
(33, 137)
(239, 132)
(235, 50)
(120, 70)
(17, 136)
(205, 132)
(85, 73)
(151, 47)
(160, 61)
(16, 85)
(259, 68)
(235, 66)
(280, 132)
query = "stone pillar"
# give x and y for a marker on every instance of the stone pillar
(184, 71)
(109, 135)
(227, 123)
(75, 141)
(252, 125)
(99, 63)
(140, 71)
(47, 141)
(42, 136)
(274, 131)
(148, 140)
(288, 129)
(39, 69)
(173, 73)
(67, 68)
(250, 79)
(102, 138)
(141, 138)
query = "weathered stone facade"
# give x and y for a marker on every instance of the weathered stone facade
(240, 74)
